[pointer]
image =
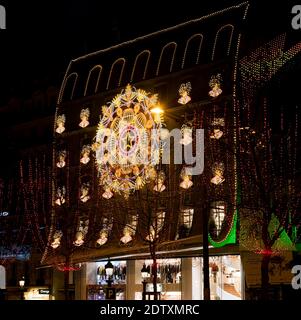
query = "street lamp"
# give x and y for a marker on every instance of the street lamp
(109, 272)
(110, 291)
(144, 275)
(22, 284)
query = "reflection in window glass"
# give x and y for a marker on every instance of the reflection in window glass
(225, 277)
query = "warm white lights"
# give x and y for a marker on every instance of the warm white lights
(215, 85)
(216, 134)
(85, 154)
(107, 194)
(85, 188)
(218, 170)
(186, 135)
(84, 116)
(128, 141)
(79, 239)
(186, 183)
(103, 238)
(61, 161)
(126, 236)
(159, 186)
(60, 122)
(60, 196)
(184, 92)
(57, 239)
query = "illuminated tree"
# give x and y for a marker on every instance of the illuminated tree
(267, 130)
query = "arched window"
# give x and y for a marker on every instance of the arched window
(166, 59)
(69, 86)
(222, 42)
(2, 278)
(185, 222)
(116, 73)
(92, 83)
(140, 66)
(192, 50)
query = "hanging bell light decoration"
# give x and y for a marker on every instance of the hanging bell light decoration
(85, 154)
(186, 182)
(84, 117)
(160, 186)
(218, 171)
(60, 124)
(217, 131)
(186, 131)
(184, 92)
(85, 190)
(60, 195)
(61, 159)
(103, 238)
(215, 85)
(56, 239)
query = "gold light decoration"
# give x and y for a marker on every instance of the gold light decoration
(60, 123)
(107, 194)
(216, 134)
(127, 235)
(85, 154)
(184, 92)
(217, 131)
(215, 85)
(187, 134)
(84, 116)
(61, 159)
(57, 239)
(81, 233)
(127, 142)
(218, 171)
(103, 238)
(79, 239)
(186, 183)
(159, 186)
(85, 189)
(60, 196)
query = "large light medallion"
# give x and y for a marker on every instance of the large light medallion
(127, 142)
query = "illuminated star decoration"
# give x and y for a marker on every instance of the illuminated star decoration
(127, 143)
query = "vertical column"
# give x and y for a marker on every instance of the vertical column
(186, 279)
(58, 285)
(197, 288)
(80, 281)
(243, 281)
(130, 279)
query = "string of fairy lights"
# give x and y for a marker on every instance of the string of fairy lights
(272, 201)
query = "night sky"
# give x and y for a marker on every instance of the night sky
(42, 36)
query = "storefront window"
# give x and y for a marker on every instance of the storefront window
(225, 277)
(97, 280)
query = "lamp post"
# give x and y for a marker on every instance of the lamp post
(110, 291)
(22, 284)
(144, 275)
